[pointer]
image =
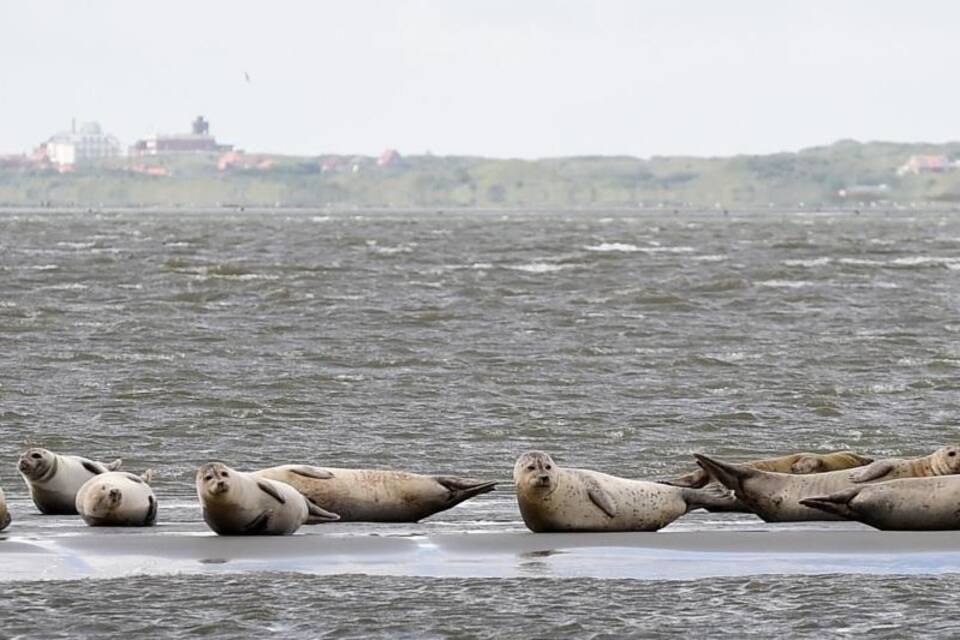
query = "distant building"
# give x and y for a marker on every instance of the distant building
(389, 158)
(77, 146)
(198, 140)
(925, 164)
(237, 159)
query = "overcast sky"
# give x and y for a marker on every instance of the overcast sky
(500, 78)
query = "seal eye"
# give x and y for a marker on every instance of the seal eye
(548, 467)
(224, 474)
(208, 477)
(952, 453)
(532, 468)
(36, 456)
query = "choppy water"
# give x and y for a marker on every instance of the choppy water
(455, 341)
(293, 605)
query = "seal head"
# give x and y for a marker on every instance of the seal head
(214, 480)
(536, 472)
(37, 464)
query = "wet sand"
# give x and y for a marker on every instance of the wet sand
(663, 555)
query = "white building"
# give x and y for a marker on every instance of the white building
(77, 146)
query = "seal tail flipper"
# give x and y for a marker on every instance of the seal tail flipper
(115, 465)
(728, 473)
(693, 480)
(318, 515)
(712, 500)
(836, 503)
(148, 476)
(464, 488)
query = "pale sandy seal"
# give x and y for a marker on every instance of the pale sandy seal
(236, 503)
(118, 499)
(910, 504)
(552, 498)
(54, 479)
(4, 512)
(377, 495)
(775, 497)
(798, 463)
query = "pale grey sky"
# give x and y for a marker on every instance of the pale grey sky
(486, 77)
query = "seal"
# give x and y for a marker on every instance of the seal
(54, 479)
(552, 499)
(236, 503)
(910, 504)
(377, 495)
(118, 499)
(4, 513)
(775, 497)
(798, 463)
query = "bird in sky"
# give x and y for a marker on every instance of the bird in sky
(247, 76)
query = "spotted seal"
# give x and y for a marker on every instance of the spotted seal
(377, 495)
(236, 503)
(4, 512)
(775, 497)
(54, 479)
(552, 499)
(118, 499)
(909, 504)
(799, 463)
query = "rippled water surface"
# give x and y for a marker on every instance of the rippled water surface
(451, 342)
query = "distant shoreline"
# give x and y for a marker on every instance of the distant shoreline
(843, 175)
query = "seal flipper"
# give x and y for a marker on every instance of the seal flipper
(711, 499)
(836, 503)
(115, 465)
(693, 480)
(267, 488)
(311, 472)
(872, 471)
(729, 474)
(151, 518)
(93, 467)
(599, 496)
(258, 524)
(463, 488)
(317, 514)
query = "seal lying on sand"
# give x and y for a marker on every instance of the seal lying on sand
(118, 499)
(793, 463)
(910, 504)
(377, 495)
(560, 499)
(775, 497)
(54, 479)
(236, 503)
(4, 513)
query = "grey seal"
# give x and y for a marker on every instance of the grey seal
(377, 495)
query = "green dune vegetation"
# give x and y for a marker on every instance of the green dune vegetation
(846, 173)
